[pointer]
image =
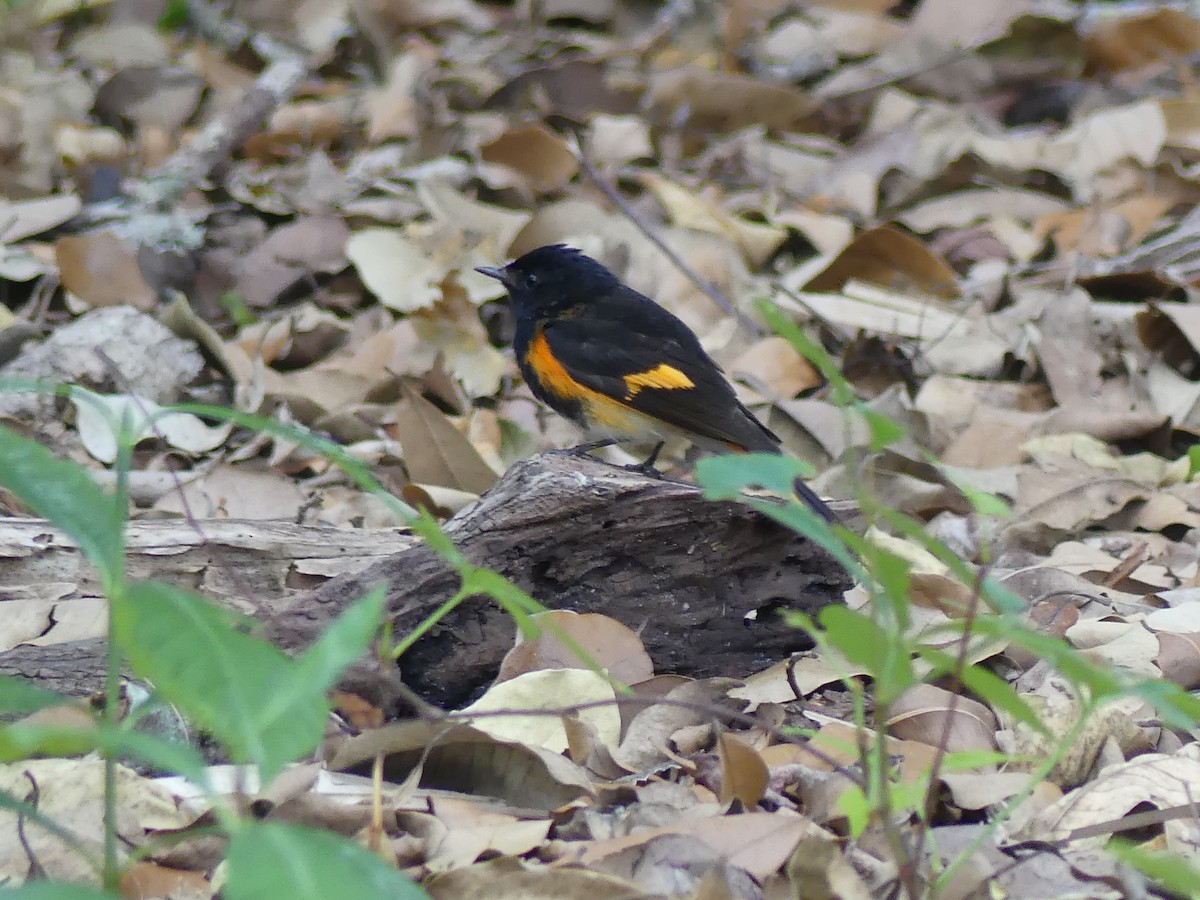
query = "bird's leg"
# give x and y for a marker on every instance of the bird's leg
(647, 467)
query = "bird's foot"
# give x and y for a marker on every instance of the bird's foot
(647, 466)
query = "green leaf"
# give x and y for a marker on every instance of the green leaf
(726, 477)
(232, 301)
(893, 574)
(18, 741)
(1193, 455)
(862, 641)
(1168, 870)
(266, 707)
(64, 493)
(965, 760)
(159, 753)
(268, 859)
(1177, 707)
(843, 391)
(344, 641)
(175, 14)
(853, 804)
(18, 696)
(57, 890)
(244, 691)
(983, 503)
(23, 741)
(884, 431)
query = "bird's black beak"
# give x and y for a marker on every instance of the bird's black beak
(492, 272)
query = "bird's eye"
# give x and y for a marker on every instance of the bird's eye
(531, 280)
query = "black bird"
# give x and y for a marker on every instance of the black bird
(619, 365)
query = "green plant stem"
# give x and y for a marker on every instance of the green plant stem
(114, 591)
(112, 700)
(405, 644)
(939, 754)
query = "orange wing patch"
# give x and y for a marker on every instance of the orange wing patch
(661, 376)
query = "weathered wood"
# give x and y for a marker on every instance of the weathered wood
(698, 579)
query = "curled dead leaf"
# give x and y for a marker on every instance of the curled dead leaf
(934, 716)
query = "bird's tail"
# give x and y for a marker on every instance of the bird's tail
(803, 492)
(810, 499)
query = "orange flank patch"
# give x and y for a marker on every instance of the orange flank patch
(603, 413)
(550, 372)
(661, 376)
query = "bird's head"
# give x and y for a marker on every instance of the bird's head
(551, 279)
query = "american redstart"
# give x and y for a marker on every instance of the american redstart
(619, 365)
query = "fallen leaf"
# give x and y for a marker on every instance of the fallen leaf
(546, 689)
(435, 452)
(102, 270)
(614, 647)
(541, 157)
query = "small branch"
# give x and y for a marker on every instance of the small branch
(191, 165)
(710, 290)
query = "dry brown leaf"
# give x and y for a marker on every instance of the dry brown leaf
(461, 758)
(614, 647)
(931, 715)
(616, 140)
(757, 842)
(729, 101)
(1179, 658)
(690, 210)
(148, 879)
(1172, 331)
(541, 157)
(71, 793)
(472, 830)
(1183, 123)
(891, 259)
(1132, 42)
(299, 124)
(841, 744)
(243, 491)
(774, 364)
(1154, 780)
(743, 772)
(102, 270)
(292, 254)
(973, 790)
(395, 269)
(20, 219)
(512, 879)
(1104, 230)
(394, 110)
(645, 743)
(435, 452)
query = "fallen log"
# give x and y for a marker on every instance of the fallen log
(699, 580)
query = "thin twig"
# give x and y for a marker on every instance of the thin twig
(710, 290)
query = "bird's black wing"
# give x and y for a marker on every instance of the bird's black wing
(647, 359)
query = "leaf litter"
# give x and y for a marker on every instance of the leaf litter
(987, 219)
